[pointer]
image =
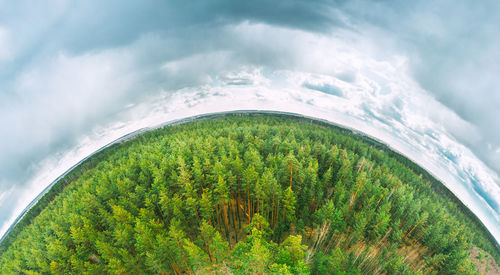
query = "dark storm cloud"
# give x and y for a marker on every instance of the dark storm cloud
(39, 30)
(89, 25)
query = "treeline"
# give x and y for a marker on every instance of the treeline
(246, 195)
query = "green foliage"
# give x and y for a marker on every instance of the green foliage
(292, 254)
(244, 195)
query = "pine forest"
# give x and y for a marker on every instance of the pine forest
(245, 194)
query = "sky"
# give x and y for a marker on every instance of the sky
(419, 75)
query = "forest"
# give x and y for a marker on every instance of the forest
(246, 195)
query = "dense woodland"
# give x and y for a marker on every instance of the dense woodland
(245, 195)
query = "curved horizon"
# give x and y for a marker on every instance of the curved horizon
(214, 115)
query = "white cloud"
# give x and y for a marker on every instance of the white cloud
(246, 76)
(6, 51)
(52, 104)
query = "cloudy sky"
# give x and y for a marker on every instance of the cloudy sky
(422, 77)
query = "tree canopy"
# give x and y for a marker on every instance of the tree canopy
(243, 195)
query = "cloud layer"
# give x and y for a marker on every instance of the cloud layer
(421, 77)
